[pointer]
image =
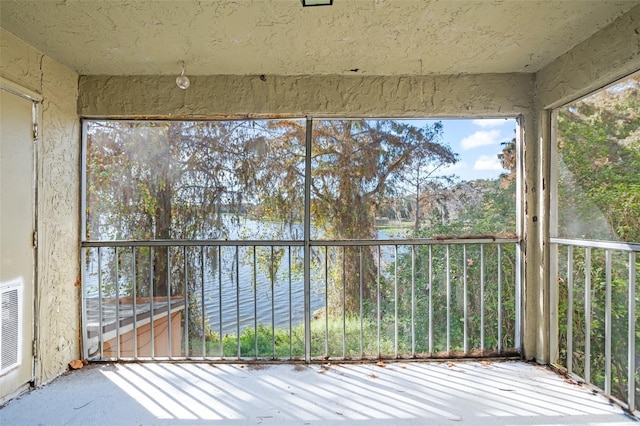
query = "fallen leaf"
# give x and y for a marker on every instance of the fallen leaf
(76, 364)
(381, 364)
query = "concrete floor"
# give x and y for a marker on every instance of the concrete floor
(434, 393)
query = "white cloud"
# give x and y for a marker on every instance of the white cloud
(486, 162)
(489, 122)
(451, 169)
(481, 138)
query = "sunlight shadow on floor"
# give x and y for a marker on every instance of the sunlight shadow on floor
(471, 392)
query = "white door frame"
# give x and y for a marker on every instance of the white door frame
(35, 98)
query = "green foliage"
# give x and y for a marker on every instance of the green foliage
(599, 173)
(596, 315)
(326, 341)
(599, 198)
(478, 279)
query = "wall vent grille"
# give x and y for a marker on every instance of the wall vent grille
(10, 325)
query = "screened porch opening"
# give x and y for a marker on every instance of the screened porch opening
(300, 240)
(595, 240)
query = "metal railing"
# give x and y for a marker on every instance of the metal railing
(267, 300)
(596, 318)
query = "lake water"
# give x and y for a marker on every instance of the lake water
(233, 297)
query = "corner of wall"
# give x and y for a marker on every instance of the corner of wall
(58, 222)
(608, 55)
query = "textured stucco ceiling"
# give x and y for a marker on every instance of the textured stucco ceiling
(248, 37)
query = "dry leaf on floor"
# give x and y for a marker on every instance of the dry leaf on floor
(76, 364)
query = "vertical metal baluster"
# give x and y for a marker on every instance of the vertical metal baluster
(326, 300)
(448, 300)
(83, 271)
(238, 301)
(117, 278)
(220, 336)
(413, 301)
(482, 297)
(465, 335)
(395, 301)
(84, 253)
(169, 302)
(255, 302)
(202, 307)
(273, 305)
(134, 281)
(344, 301)
(587, 315)
(290, 308)
(570, 309)
(499, 298)
(100, 319)
(185, 288)
(631, 368)
(430, 300)
(361, 307)
(518, 296)
(607, 325)
(379, 299)
(152, 349)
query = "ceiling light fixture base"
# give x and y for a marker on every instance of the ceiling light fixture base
(309, 3)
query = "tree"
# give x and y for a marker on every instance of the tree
(599, 198)
(168, 180)
(355, 164)
(599, 145)
(425, 186)
(469, 208)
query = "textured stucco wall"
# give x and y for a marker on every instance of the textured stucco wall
(57, 287)
(209, 96)
(19, 62)
(610, 54)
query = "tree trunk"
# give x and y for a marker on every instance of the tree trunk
(163, 200)
(355, 266)
(161, 258)
(416, 224)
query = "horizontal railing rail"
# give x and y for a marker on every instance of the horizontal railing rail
(611, 245)
(245, 299)
(297, 243)
(596, 301)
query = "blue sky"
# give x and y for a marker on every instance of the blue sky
(477, 142)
